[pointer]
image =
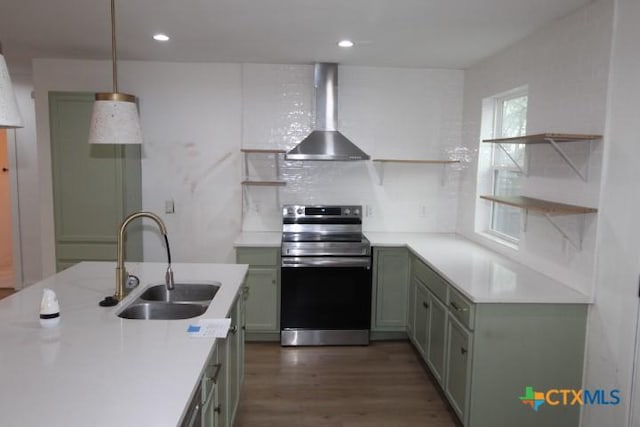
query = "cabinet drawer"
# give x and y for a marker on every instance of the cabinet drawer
(257, 256)
(461, 308)
(436, 284)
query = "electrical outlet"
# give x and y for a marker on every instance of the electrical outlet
(368, 210)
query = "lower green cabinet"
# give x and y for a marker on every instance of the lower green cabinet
(262, 299)
(484, 355)
(263, 292)
(219, 389)
(458, 363)
(210, 397)
(421, 319)
(390, 280)
(436, 346)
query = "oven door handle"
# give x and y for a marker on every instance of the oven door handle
(363, 262)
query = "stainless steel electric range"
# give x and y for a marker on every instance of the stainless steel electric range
(325, 276)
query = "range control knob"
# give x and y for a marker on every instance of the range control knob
(356, 211)
(289, 211)
(300, 211)
(347, 211)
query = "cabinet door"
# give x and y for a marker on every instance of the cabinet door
(210, 380)
(421, 326)
(458, 366)
(233, 374)
(262, 300)
(224, 419)
(411, 307)
(392, 272)
(436, 337)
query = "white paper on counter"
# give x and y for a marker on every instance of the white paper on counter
(217, 328)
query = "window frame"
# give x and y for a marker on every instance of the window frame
(498, 117)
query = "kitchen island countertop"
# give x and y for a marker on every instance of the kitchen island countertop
(482, 275)
(96, 368)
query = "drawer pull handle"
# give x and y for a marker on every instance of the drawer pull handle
(218, 409)
(425, 305)
(456, 308)
(233, 329)
(214, 377)
(463, 350)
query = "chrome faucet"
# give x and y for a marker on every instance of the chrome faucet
(121, 272)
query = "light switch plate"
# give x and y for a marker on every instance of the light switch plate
(169, 207)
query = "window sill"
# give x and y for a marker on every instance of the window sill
(496, 239)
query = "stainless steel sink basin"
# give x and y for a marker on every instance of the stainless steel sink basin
(162, 311)
(182, 292)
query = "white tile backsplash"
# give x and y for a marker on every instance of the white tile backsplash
(389, 113)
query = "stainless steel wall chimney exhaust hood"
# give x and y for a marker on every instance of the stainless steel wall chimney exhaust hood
(326, 143)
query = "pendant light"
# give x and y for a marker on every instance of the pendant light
(9, 114)
(115, 117)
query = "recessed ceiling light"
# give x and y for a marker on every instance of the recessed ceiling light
(161, 37)
(345, 43)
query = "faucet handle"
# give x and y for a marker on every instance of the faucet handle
(132, 281)
(168, 278)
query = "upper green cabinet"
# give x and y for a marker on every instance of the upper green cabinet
(263, 292)
(390, 277)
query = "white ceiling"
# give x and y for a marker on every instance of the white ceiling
(398, 33)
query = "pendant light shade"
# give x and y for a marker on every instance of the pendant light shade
(115, 118)
(9, 114)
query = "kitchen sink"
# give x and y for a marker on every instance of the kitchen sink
(182, 292)
(162, 311)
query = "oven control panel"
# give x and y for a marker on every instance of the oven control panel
(321, 211)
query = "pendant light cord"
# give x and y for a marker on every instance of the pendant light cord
(114, 58)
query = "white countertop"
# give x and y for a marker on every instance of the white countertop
(96, 368)
(481, 274)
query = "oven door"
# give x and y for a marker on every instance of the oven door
(325, 300)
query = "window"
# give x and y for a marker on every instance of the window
(506, 178)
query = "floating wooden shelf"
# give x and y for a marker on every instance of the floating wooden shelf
(548, 210)
(415, 161)
(552, 139)
(538, 205)
(382, 162)
(543, 138)
(264, 183)
(262, 151)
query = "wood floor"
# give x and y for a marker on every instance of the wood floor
(382, 385)
(5, 292)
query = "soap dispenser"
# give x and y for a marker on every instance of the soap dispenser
(49, 309)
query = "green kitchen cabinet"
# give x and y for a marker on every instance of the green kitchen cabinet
(437, 335)
(458, 366)
(263, 292)
(421, 325)
(483, 355)
(390, 278)
(235, 358)
(210, 391)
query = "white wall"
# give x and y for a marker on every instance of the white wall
(196, 117)
(565, 67)
(387, 112)
(190, 115)
(612, 319)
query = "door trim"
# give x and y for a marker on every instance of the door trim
(15, 210)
